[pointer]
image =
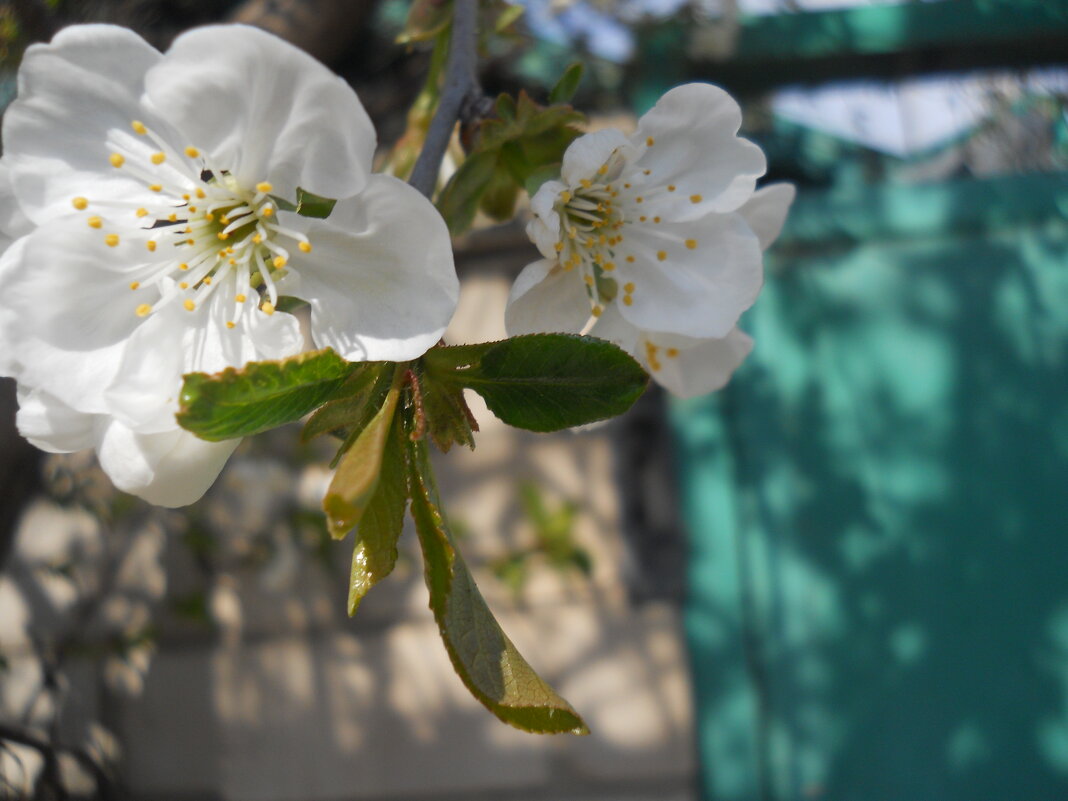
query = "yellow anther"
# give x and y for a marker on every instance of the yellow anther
(586, 183)
(647, 172)
(626, 186)
(305, 247)
(233, 261)
(628, 287)
(190, 241)
(139, 127)
(572, 232)
(609, 266)
(696, 198)
(192, 152)
(142, 212)
(643, 218)
(588, 279)
(630, 259)
(151, 244)
(207, 280)
(80, 203)
(650, 142)
(279, 262)
(183, 266)
(267, 308)
(223, 235)
(565, 197)
(264, 186)
(597, 311)
(189, 305)
(224, 220)
(230, 323)
(135, 284)
(209, 217)
(240, 298)
(661, 255)
(172, 217)
(116, 159)
(257, 239)
(671, 187)
(111, 240)
(155, 187)
(267, 211)
(143, 310)
(691, 243)
(183, 285)
(639, 199)
(192, 209)
(559, 246)
(185, 197)
(229, 250)
(95, 222)
(200, 193)
(656, 219)
(603, 169)
(158, 158)
(672, 352)
(602, 239)
(627, 300)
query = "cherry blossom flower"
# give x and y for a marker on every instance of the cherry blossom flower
(141, 190)
(657, 238)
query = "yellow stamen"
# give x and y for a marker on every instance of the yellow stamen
(111, 240)
(80, 203)
(565, 197)
(305, 247)
(142, 212)
(183, 266)
(116, 160)
(158, 158)
(192, 209)
(267, 211)
(155, 187)
(257, 239)
(588, 279)
(586, 183)
(267, 308)
(151, 244)
(691, 243)
(192, 152)
(240, 298)
(672, 352)
(609, 266)
(172, 217)
(597, 311)
(630, 259)
(223, 235)
(207, 280)
(647, 172)
(279, 262)
(643, 218)
(559, 246)
(639, 199)
(139, 127)
(95, 222)
(143, 310)
(189, 305)
(695, 198)
(650, 142)
(200, 193)
(627, 300)
(656, 219)
(183, 285)
(135, 284)
(628, 287)
(264, 186)
(661, 255)
(230, 323)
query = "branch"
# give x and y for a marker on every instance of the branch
(461, 86)
(49, 751)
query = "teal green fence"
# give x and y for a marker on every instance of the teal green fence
(878, 506)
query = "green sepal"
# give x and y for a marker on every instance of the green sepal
(445, 413)
(544, 382)
(346, 413)
(260, 395)
(484, 658)
(460, 198)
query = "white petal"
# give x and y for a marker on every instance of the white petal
(68, 309)
(614, 327)
(586, 154)
(71, 94)
(696, 149)
(765, 211)
(701, 368)
(697, 292)
(13, 222)
(171, 468)
(174, 341)
(545, 298)
(544, 227)
(52, 425)
(265, 110)
(380, 280)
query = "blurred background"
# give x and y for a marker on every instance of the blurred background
(844, 577)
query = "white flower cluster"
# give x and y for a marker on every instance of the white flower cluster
(656, 238)
(139, 189)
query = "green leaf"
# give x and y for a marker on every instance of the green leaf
(448, 419)
(459, 199)
(498, 200)
(357, 475)
(311, 205)
(375, 552)
(261, 395)
(567, 85)
(483, 656)
(364, 390)
(550, 172)
(544, 382)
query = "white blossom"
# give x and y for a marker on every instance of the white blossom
(657, 238)
(140, 189)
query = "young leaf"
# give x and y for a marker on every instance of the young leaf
(357, 476)
(544, 382)
(483, 656)
(459, 199)
(448, 420)
(567, 85)
(346, 412)
(261, 395)
(375, 551)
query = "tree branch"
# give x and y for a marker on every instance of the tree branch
(50, 752)
(461, 87)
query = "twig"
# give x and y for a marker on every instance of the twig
(50, 753)
(461, 86)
